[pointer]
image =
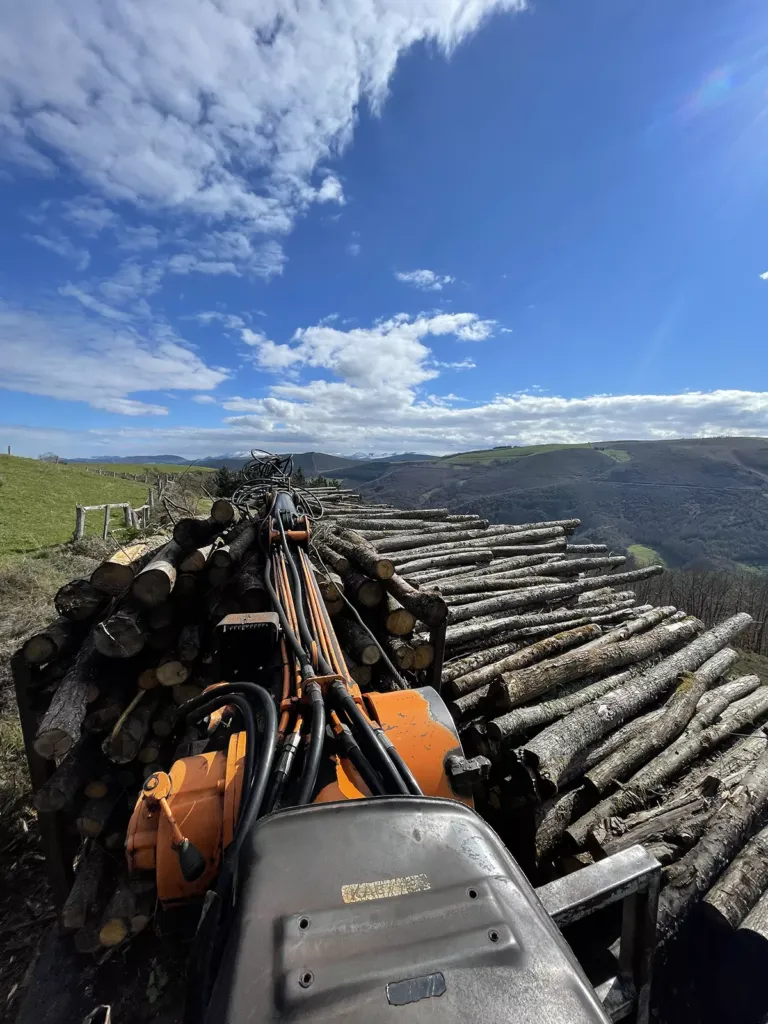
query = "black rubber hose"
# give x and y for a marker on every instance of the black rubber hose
(220, 699)
(405, 772)
(351, 749)
(371, 747)
(298, 600)
(316, 740)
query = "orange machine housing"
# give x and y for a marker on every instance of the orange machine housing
(206, 788)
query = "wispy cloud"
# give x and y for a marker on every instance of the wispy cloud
(63, 247)
(426, 280)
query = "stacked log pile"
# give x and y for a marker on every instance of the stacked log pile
(606, 722)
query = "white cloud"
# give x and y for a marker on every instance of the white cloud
(204, 399)
(68, 356)
(764, 277)
(219, 109)
(62, 247)
(228, 319)
(353, 249)
(330, 191)
(426, 280)
(71, 291)
(269, 355)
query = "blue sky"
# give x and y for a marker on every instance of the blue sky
(381, 225)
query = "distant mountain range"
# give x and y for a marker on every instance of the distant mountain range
(309, 462)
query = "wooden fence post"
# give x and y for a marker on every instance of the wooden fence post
(151, 500)
(79, 522)
(107, 513)
(128, 513)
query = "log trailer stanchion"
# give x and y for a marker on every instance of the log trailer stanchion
(331, 839)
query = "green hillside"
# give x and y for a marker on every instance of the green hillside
(37, 501)
(137, 469)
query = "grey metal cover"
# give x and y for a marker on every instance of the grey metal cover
(392, 909)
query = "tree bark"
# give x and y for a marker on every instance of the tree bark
(525, 657)
(66, 782)
(331, 586)
(126, 740)
(362, 590)
(697, 740)
(477, 659)
(502, 557)
(547, 593)
(433, 543)
(122, 635)
(83, 898)
(234, 551)
(357, 641)
(734, 895)
(60, 725)
(333, 560)
(94, 815)
(678, 711)
(79, 601)
(428, 608)
(196, 561)
(500, 589)
(196, 533)
(360, 553)
(424, 654)
(361, 674)
(249, 588)
(56, 639)
(498, 567)
(518, 687)
(553, 817)
(189, 646)
(469, 632)
(402, 654)
(223, 511)
(475, 556)
(153, 585)
(586, 549)
(731, 825)
(547, 756)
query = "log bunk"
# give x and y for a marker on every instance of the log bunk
(606, 723)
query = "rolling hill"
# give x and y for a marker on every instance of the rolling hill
(698, 501)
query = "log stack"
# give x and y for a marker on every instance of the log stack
(606, 722)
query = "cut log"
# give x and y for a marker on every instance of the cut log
(500, 588)
(547, 756)
(125, 914)
(398, 621)
(186, 587)
(129, 734)
(474, 556)
(115, 576)
(695, 741)
(94, 815)
(235, 550)
(524, 685)
(196, 533)
(196, 561)
(171, 671)
(357, 641)
(83, 899)
(66, 782)
(361, 674)
(424, 654)
(161, 616)
(401, 654)
(729, 828)
(331, 558)
(162, 639)
(361, 553)
(546, 594)
(477, 659)
(525, 657)
(362, 590)
(678, 711)
(586, 549)
(153, 585)
(741, 970)
(734, 895)
(428, 608)
(60, 725)
(223, 511)
(164, 722)
(553, 817)
(56, 639)
(185, 692)
(188, 648)
(249, 587)
(79, 601)
(469, 632)
(147, 679)
(402, 534)
(468, 539)
(122, 635)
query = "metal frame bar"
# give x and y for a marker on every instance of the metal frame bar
(633, 877)
(437, 639)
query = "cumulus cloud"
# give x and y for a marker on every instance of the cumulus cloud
(426, 280)
(67, 355)
(227, 319)
(218, 109)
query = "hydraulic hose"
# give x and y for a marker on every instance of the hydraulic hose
(316, 739)
(400, 766)
(217, 700)
(371, 747)
(293, 640)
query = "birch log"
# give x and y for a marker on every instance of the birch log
(547, 756)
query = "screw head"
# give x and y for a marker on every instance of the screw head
(306, 978)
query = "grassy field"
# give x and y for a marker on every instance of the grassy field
(493, 454)
(617, 454)
(644, 555)
(37, 502)
(140, 468)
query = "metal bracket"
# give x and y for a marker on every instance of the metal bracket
(633, 877)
